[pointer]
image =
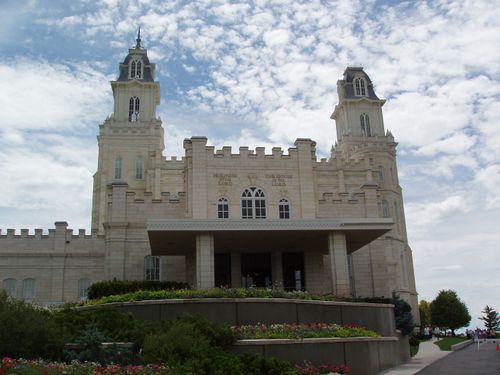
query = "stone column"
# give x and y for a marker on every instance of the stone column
(277, 269)
(205, 273)
(235, 269)
(337, 250)
(306, 159)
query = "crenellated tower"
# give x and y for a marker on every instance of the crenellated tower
(131, 139)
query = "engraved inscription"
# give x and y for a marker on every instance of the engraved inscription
(278, 179)
(224, 179)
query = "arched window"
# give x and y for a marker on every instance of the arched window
(135, 69)
(223, 208)
(284, 209)
(118, 168)
(384, 208)
(365, 125)
(29, 289)
(139, 169)
(253, 204)
(9, 285)
(360, 87)
(152, 268)
(133, 109)
(381, 173)
(83, 288)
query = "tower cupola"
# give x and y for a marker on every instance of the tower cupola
(359, 112)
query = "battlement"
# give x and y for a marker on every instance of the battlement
(37, 233)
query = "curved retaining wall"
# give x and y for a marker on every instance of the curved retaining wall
(363, 355)
(239, 311)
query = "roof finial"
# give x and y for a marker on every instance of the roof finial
(138, 40)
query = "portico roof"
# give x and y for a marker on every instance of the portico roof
(176, 237)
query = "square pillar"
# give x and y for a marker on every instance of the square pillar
(205, 274)
(337, 251)
(235, 270)
(277, 269)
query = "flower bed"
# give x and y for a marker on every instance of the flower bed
(30, 367)
(299, 331)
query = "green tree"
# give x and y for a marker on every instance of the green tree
(425, 313)
(491, 319)
(449, 312)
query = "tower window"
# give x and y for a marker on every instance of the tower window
(9, 285)
(360, 87)
(284, 209)
(152, 268)
(139, 169)
(381, 173)
(384, 208)
(118, 168)
(365, 125)
(253, 204)
(29, 289)
(223, 208)
(133, 109)
(136, 69)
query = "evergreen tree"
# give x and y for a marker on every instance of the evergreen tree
(449, 312)
(491, 319)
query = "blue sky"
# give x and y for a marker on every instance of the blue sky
(263, 74)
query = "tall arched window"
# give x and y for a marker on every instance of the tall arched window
(223, 208)
(29, 289)
(83, 288)
(9, 285)
(133, 109)
(139, 169)
(152, 268)
(253, 204)
(365, 125)
(118, 167)
(284, 209)
(381, 173)
(384, 208)
(135, 69)
(360, 87)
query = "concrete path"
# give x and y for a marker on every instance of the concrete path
(428, 353)
(471, 360)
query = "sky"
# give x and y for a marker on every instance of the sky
(264, 73)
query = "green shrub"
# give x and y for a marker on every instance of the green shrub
(28, 331)
(116, 287)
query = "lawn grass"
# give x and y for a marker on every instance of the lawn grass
(446, 342)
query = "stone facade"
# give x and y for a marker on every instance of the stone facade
(215, 217)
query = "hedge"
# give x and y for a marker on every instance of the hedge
(116, 287)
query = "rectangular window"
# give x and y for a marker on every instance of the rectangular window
(139, 169)
(9, 285)
(260, 209)
(83, 288)
(29, 289)
(152, 268)
(223, 210)
(118, 168)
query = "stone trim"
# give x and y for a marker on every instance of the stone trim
(196, 225)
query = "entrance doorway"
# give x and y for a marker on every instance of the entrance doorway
(256, 270)
(293, 271)
(222, 265)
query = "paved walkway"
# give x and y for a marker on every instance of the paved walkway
(468, 361)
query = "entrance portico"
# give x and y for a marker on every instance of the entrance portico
(311, 239)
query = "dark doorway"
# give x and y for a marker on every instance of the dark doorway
(293, 271)
(222, 269)
(256, 270)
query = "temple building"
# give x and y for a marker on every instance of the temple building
(223, 217)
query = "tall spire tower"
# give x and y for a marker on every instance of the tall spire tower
(131, 139)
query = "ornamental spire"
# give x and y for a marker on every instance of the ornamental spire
(138, 40)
